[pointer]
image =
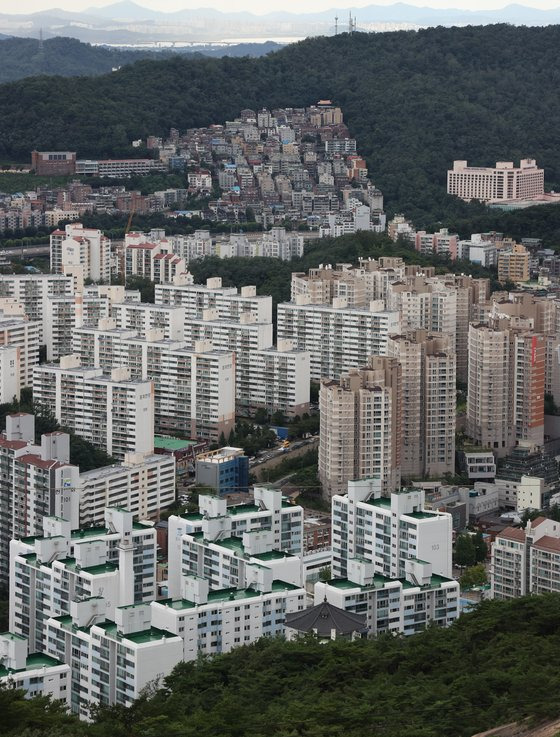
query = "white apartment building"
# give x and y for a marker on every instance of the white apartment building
(526, 561)
(216, 522)
(33, 290)
(37, 674)
(244, 337)
(9, 373)
(144, 316)
(502, 182)
(402, 606)
(388, 531)
(237, 561)
(64, 314)
(216, 621)
(194, 390)
(228, 302)
(360, 435)
(37, 482)
(24, 335)
(428, 367)
(280, 378)
(154, 260)
(142, 484)
(116, 562)
(111, 660)
(337, 337)
(83, 253)
(112, 411)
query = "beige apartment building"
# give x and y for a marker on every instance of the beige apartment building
(513, 264)
(488, 399)
(507, 379)
(502, 182)
(428, 366)
(360, 432)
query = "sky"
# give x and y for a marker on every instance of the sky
(258, 7)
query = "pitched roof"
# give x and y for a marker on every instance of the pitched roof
(513, 533)
(548, 543)
(323, 618)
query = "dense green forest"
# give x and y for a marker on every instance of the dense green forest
(414, 100)
(495, 665)
(68, 57)
(273, 277)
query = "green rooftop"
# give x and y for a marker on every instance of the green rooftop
(231, 595)
(12, 636)
(232, 543)
(421, 515)
(379, 581)
(89, 532)
(36, 660)
(177, 604)
(193, 517)
(165, 443)
(101, 568)
(243, 509)
(278, 585)
(272, 555)
(381, 501)
(153, 634)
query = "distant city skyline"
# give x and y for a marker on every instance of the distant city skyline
(254, 6)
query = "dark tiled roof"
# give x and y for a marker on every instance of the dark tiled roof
(323, 618)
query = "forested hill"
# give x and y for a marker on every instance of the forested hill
(68, 57)
(414, 100)
(496, 665)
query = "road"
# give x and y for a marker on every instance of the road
(260, 469)
(26, 251)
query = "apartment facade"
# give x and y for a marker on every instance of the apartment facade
(24, 335)
(83, 253)
(513, 264)
(502, 182)
(33, 290)
(403, 606)
(526, 561)
(144, 484)
(428, 367)
(112, 411)
(37, 482)
(338, 338)
(116, 562)
(360, 433)
(388, 531)
(194, 390)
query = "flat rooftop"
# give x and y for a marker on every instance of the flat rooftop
(166, 443)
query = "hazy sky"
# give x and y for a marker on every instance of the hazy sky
(257, 6)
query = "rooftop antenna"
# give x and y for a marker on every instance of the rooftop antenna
(336, 25)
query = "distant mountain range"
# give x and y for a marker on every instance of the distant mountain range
(129, 23)
(68, 57)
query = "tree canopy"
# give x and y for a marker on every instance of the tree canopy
(415, 101)
(494, 665)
